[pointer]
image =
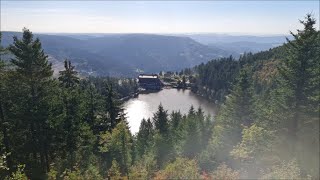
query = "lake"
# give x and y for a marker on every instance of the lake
(145, 105)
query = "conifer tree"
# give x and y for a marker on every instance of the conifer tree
(300, 74)
(68, 77)
(144, 137)
(112, 107)
(175, 120)
(233, 116)
(119, 144)
(73, 115)
(3, 120)
(300, 80)
(35, 72)
(160, 120)
(192, 140)
(162, 140)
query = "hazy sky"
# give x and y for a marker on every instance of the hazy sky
(246, 17)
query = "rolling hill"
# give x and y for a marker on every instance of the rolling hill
(124, 54)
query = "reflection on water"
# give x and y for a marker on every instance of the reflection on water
(172, 100)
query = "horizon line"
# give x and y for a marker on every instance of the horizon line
(159, 33)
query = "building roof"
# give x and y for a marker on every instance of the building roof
(148, 76)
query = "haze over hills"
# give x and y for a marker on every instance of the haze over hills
(125, 54)
(239, 44)
(130, 54)
(235, 44)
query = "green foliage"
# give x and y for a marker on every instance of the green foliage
(114, 171)
(256, 141)
(300, 81)
(74, 174)
(255, 151)
(144, 137)
(233, 116)
(72, 128)
(288, 170)
(19, 174)
(181, 168)
(92, 173)
(215, 78)
(50, 125)
(68, 77)
(119, 144)
(144, 168)
(3, 162)
(52, 174)
(192, 144)
(224, 172)
(34, 73)
(276, 92)
(162, 149)
(3, 166)
(160, 121)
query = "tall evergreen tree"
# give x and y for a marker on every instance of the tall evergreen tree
(35, 71)
(160, 120)
(3, 106)
(192, 143)
(144, 137)
(73, 115)
(233, 116)
(68, 77)
(162, 140)
(300, 80)
(300, 74)
(112, 107)
(119, 144)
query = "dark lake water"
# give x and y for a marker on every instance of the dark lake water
(145, 105)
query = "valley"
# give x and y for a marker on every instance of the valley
(121, 55)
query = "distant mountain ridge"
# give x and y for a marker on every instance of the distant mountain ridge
(125, 54)
(130, 54)
(238, 44)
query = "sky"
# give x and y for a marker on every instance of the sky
(233, 17)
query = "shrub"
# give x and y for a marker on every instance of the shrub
(181, 168)
(288, 170)
(223, 172)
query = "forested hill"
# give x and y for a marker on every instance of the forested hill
(266, 125)
(124, 54)
(214, 79)
(241, 43)
(268, 121)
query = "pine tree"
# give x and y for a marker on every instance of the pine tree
(300, 80)
(144, 137)
(233, 116)
(93, 104)
(160, 120)
(3, 106)
(175, 120)
(192, 143)
(35, 72)
(119, 144)
(112, 107)
(73, 117)
(300, 74)
(68, 77)
(162, 140)
(30, 59)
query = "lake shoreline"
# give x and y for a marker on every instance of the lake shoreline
(145, 104)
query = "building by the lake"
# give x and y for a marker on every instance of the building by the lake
(150, 82)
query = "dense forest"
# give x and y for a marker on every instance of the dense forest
(267, 124)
